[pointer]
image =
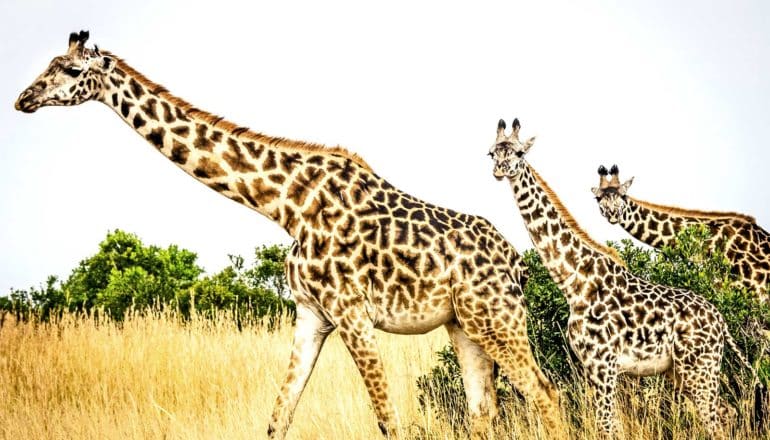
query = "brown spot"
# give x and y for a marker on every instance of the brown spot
(181, 130)
(254, 151)
(219, 186)
(155, 136)
(168, 114)
(289, 160)
(207, 169)
(277, 178)
(149, 109)
(289, 218)
(136, 88)
(300, 187)
(269, 162)
(125, 108)
(235, 158)
(201, 141)
(139, 122)
(264, 193)
(179, 152)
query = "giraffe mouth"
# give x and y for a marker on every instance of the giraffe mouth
(27, 103)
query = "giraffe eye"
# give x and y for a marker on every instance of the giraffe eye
(519, 154)
(73, 71)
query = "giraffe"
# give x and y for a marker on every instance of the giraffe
(365, 255)
(746, 244)
(618, 322)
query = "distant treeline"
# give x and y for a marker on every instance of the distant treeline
(127, 275)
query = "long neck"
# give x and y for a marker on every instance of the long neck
(290, 182)
(658, 225)
(568, 253)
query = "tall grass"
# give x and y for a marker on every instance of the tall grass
(156, 377)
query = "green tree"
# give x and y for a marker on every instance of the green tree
(125, 274)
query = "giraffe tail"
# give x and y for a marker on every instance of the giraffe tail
(739, 354)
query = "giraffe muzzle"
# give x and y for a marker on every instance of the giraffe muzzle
(27, 102)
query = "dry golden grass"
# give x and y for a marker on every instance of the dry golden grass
(152, 377)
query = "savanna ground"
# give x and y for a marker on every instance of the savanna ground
(157, 377)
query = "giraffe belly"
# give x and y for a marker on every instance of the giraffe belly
(408, 324)
(634, 366)
(417, 317)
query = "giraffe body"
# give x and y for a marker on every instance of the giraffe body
(365, 254)
(619, 323)
(745, 244)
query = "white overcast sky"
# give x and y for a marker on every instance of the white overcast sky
(676, 93)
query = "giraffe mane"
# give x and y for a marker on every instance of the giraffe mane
(693, 212)
(229, 127)
(570, 221)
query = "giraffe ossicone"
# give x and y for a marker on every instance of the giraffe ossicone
(618, 323)
(366, 255)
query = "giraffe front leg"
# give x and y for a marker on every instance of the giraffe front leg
(603, 375)
(357, 333)
(309, 336)
(476, 368)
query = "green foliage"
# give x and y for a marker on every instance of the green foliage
(547, 314)
(689, 264)
(442, 390)
(127, 275)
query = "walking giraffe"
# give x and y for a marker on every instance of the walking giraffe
(618, 322)
(366, 255)
(746, 244)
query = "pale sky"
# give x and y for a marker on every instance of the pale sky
(676, 93)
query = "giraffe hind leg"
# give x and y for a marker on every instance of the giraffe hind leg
(476, 368)
(499, 327)
(698, 380)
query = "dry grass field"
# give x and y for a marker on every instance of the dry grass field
(152, 377)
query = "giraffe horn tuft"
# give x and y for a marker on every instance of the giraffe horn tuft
(602, 170)
(501, 124)
(516, 125)
(614, 170)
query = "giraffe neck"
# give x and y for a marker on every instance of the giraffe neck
(568, 253)
(282, 179)
(658, 225)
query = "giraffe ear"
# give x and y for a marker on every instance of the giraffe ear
(597, 192)
(106, 63)
(528, 144)
(624, 187)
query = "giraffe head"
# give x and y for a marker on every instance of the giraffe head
(508, 152)
(611, 194)
(75, 77)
